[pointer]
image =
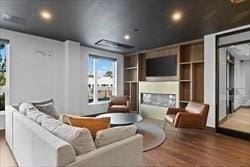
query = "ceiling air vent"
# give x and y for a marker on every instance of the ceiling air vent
(14, 19)
(112, 44)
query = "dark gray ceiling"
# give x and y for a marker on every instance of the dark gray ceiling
(89, 21)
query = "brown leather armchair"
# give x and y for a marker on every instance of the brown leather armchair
(193, 116)
(119, 104)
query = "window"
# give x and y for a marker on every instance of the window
(3, 57)
(101, 78)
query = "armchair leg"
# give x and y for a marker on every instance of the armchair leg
(164, 126)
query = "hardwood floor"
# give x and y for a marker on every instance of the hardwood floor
(199, 148)
(239, 120)
(187, 148)
(6, 158)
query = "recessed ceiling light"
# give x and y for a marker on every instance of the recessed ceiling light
(177, 16)
(232, 46)
(127, 37)
(46, 15)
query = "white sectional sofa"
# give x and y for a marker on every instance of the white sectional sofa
(32, 145)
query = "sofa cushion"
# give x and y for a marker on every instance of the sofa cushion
(47, 107)
(91, 123)
(26, 107)
(111, 135)
(80, 138)
(37, 116)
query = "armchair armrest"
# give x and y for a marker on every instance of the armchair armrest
(175, 110)
(188, 120)
(128, 104)
(109, 105)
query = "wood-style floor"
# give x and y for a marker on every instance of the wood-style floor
(239, 120)
(184, 148)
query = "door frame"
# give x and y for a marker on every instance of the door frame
(222, 130)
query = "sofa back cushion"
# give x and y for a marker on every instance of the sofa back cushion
(91, 123)
(47, 107)
(111, 135)
(80, 138)
(37, 116)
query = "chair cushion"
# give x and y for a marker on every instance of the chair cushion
(170, 117)
(119, 100)
(194, 107)
(91, 123)
(111, 135)
(47, 107)
(80, 138)
(119, 108)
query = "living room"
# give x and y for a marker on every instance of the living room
(125, 83)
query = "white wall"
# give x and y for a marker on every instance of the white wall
(42, 68)
(241, 83)
(209, 72)
(33, 73)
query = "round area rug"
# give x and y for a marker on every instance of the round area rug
(153, 136)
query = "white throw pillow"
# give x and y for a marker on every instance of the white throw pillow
(26, 107)
(80, 138)
(111, 135)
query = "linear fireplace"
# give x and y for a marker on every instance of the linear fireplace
(159, 99)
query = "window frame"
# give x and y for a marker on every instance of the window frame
(95, 77)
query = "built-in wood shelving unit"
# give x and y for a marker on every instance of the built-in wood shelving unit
(133, 73)
(191, 73)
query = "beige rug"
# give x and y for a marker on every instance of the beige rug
(153, 135)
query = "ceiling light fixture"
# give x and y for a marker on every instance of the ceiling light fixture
(177, 16)
(237, 1)
(46, 15)
(127, 37)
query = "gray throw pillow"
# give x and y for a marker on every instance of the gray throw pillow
(47, 107)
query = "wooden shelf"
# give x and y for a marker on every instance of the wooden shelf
(184, 101)
(185, 81)
(185, 63)
(130, 68)
(185, 72)
(130, 81)
(131, 85)
(197, 62)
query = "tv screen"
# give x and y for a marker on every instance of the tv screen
(161, 66)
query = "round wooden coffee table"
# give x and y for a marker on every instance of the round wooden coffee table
(118, 119)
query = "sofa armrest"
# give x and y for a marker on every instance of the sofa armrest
(175, 110)
(188, 120)
(127, 152)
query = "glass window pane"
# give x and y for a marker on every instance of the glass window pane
(3, 54)
(105, 78)
(91, 81)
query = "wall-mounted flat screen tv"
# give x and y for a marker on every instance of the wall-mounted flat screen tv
(161, 66)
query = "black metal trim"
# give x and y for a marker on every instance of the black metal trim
(225, 131)
(233, 43)
(233, 32)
